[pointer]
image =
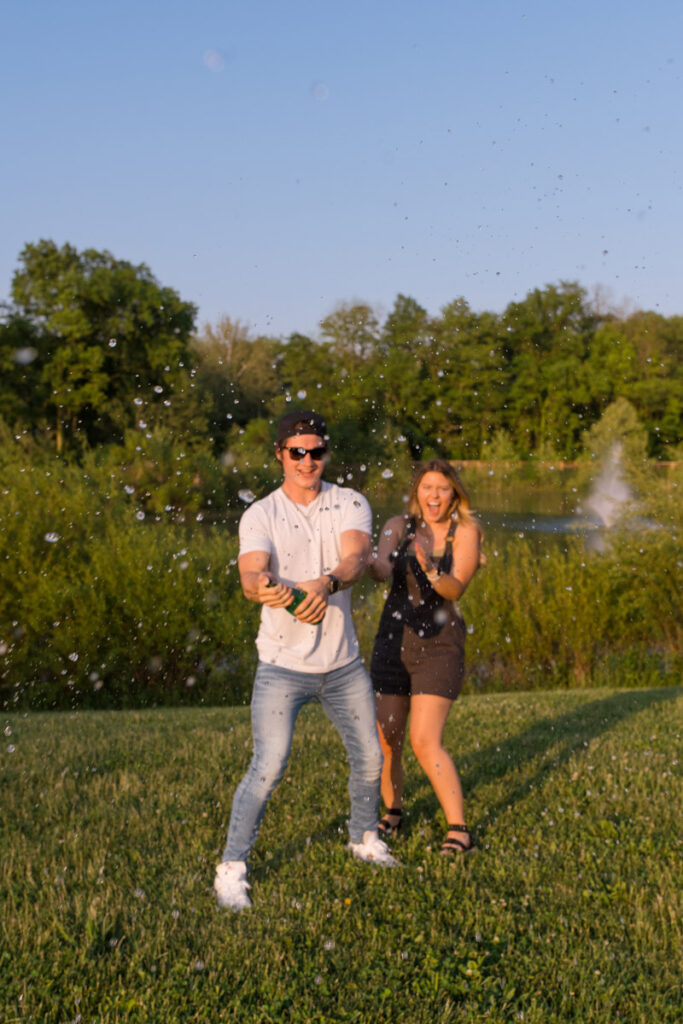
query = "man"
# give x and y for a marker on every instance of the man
(314, 536)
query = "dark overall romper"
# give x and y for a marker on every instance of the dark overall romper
(420, 644)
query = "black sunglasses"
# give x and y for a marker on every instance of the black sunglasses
(297, 454)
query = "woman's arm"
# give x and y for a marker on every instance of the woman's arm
(380, 563)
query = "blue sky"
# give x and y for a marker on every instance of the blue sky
(270, 159)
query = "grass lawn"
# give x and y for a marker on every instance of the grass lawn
(112, 823)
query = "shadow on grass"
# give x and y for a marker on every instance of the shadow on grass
(554, 741)
(564, 735)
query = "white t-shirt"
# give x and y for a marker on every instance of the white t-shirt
(304, 542)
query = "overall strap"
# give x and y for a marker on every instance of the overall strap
(408, 535)
(448, 546)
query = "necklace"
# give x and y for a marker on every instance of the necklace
(307, 510)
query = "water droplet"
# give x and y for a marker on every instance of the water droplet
(24, 356)
(246, 495)
(112, 343)
(301, 394)
(8, 730)
(73, 656)
(140, 515)
(137, 401)
(52, 538)
(158, 390)
(129, 489)
(213, 60)
(10, 748)
(387, 473)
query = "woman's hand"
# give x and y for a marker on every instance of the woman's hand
(424, 556)
(380, 564)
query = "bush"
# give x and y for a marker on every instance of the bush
(103, 606)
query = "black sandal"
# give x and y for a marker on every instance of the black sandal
(452, 846)
(385, 828)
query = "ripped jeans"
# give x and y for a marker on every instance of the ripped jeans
(346, 697)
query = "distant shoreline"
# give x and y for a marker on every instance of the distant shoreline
(547, 463)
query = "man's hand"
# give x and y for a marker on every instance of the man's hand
(273, 593)
(312, 609)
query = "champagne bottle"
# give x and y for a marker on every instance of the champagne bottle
(299, 595)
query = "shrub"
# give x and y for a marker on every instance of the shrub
(101, 605)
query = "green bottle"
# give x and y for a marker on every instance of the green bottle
(299, 595)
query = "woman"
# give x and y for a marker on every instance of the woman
(418, 661)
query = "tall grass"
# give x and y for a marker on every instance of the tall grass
(111, 824)
(105, 605)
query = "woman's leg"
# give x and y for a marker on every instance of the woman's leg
(392, 715)
(428, 716)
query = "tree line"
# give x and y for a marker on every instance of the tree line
(95, 352)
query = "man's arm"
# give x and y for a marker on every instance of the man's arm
(259, 583)
(355, 548)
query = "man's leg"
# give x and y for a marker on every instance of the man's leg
(277, 698)
(348, 701)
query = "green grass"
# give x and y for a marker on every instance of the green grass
(112, 823)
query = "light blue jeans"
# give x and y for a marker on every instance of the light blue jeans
(346, 697)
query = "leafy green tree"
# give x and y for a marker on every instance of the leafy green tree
(468, 368)
(656, 388)
(353, 333)
(237, 375)
(110, 333)
(23, 394)
(611, 366)
(547, 343)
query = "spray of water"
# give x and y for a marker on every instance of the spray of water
(610, 491)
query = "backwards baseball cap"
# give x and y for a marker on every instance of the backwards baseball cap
(301, 421)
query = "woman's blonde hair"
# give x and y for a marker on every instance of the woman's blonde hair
(460, 505)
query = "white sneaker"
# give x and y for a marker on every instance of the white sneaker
(373, 849)
(231, 885)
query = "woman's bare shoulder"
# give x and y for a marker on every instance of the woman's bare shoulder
(468, 532)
